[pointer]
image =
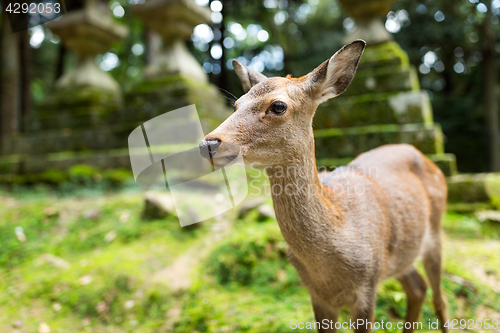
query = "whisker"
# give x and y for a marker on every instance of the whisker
(234, 98)
(229, 99)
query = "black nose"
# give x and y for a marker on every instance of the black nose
(209, 148)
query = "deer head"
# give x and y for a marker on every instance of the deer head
(272, 122)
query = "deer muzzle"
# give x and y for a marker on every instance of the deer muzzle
(208, 149)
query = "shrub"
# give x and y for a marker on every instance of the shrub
(83, 173)
(255, 256)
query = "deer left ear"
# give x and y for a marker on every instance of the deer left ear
(247, 76)
(332, 77)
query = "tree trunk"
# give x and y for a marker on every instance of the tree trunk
(60, 61)
(9, 79)
(26, 77)
(223, 80)
(490, 97)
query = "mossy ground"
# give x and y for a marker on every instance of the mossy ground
(240, 283)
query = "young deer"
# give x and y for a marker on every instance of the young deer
(346, 230)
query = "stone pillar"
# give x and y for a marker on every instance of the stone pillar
(173, 21)
(383, 104)
(173, 78)
(89, 31)
(368, 14)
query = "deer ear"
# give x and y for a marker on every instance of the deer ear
(248, 76)
(332, 77)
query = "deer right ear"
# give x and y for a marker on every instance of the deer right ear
(332, 77)
(248, 76)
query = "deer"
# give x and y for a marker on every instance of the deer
(342, 242)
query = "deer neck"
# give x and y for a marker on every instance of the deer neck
(304, 214)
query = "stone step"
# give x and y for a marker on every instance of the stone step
(409, 107)
(119, 158)
(34, 164)
(102, 159)
(446, 162)
(330, 143)
(383, 55)
(102, 138)
(471, 188)
(384, 79)
(145, 101)
(85, 118)
(352, 141)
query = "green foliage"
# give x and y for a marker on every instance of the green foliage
(244, 284)
(81, 179)
(457, 97)
(53, 176)
(82, 172)
(117, 176)
(99, 100)
(244, 255)
(119, 293)
(469, 227)
(384, 54)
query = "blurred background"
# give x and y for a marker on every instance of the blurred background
(83, 249)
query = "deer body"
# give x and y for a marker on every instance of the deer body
(349, 229)
(344, 243)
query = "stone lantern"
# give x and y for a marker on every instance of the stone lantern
(173, 78)
(367, 14)
(173, 21)
(88, 31)
(383, 104)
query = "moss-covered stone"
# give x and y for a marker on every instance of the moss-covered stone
(474, 188)
(468, 207)
(38, 163)
(384, 79)
(348, 142)
(76, 174)
(367, 109)
(81, 100)
(109, 137)
(91, 126)
(111, 130)
(384, 54)
(145, 101)
(10, 164)
(382, 105)
(446, 162)
(155, 97)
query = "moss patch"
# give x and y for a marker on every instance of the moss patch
(384, 54)
(376, 108)
(474, 188)
(348, 142)
(245, 284)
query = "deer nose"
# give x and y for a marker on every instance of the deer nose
(209, 148)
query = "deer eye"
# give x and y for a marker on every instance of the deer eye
(277, 107)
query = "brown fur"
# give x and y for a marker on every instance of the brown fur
(349, 229)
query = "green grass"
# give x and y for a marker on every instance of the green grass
(120, 270)
(240, 283)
